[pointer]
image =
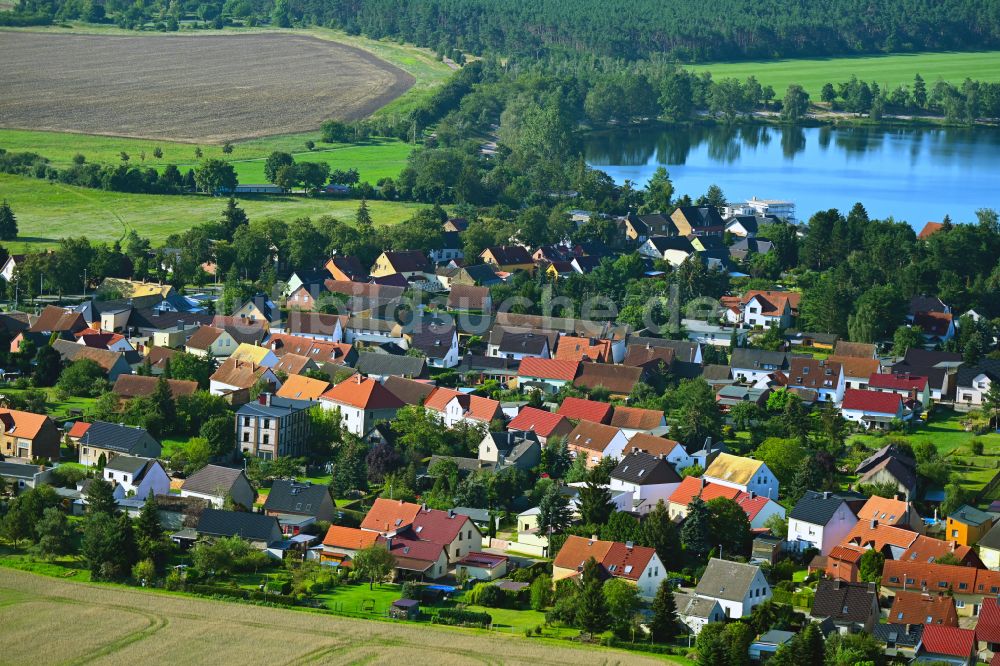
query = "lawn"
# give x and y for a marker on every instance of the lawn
(374, 159)
(944, 429)
(47, 211)
(57, 410)
(888, 71)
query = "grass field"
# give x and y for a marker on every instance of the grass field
(190, 87)
(47, 212)
(889, 70)
(81, 623)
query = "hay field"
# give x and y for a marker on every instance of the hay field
(50, 621)
(209, 88)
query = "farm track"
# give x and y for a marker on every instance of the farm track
(201, 631)
(211, 88)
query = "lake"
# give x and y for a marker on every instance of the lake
(911, 174)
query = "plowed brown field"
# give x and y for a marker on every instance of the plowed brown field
(209, 88)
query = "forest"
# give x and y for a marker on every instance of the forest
(682, 30)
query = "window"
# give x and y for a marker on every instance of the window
(267, 439)
(246, 421)
(246, 437)
(267, 423)
(954, 533)
(959, 603)
(963, 586)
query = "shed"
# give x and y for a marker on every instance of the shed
(405, 609)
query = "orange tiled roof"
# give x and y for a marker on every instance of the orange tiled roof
(651, 444)
(692, 487)
(879, 536)
(388, 515)
(25, 424)
(923, 608)
(363, 394)
(548, 368)
(299, 387)
(538, 421)
(886, 511)
(350, 538)
(846, 554)
(928, 549)
(585, 410)
(578, 550)
(572, 348)
(857, 367)
(475, 407)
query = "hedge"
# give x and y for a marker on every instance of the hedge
(454, 616)
(239, 593)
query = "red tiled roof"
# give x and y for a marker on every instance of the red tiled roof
(363, 394)
(692, 487)
(845, 554)
(872, 401)
(548, 368)
(585, 410)
(79, 429)
(923, 608)
(935, 577)
(388, 515)
(878, 537)
(620, 379)
(772, 303)
(988, 628)
(620, 557)
(635, 418)
(929, 230)
(948, 640)
(751, 505)
(897, 382)
(475, 407)
(928, 549)
(538, 421)
(438, 526)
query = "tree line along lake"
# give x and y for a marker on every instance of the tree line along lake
(912, 174)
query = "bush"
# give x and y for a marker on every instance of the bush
(487, 594)
(458, 617)
(239, 593)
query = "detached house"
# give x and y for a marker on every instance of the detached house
(946, 645)
(753, 365)
(362, 403)
(851, 607)
(508, 258)
(824, 377)
(743, 474)
(546, 374)
(520, 449)
(235, 374)
(904, 384)
(619, 380)
(455, 406)
(438, 342)
(636, 564)
(581, 409)
(650, 479)
(297, 505)
(871, 409)
(272, 427)
(668, 449)
(113, 439)
(136, 477)
(738, 588)
(768, 309)
(456, 533)
(260, 530)
(27, 435)
(973, 382)
(672, 249)
(924, 608)
(596, 441)
(820, 521)
(411, 264)
(544, 424)
(857, 371)
(211, 342)
(968, 586)
(213, 483)
(698, 221)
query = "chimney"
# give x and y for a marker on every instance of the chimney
(753, 494)
(593, 538)
(423, 507)
(826, 494)
(628, 545)
(388, 543)
(451, 513)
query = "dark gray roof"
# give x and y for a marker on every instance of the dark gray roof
(115, 437)
(922, 303)
(644, 469)
(989, 540)
(434, 340)
(844, 602)
(279, 407)
(702, 216)
(987, 366)
(409, 391)
(726, 580)
(252, 526)
(903, 635)
(508, 440)
(294, 497)
(664, 243)
(887, 451)
(212, 480)
(523, 343)
(713, 372)
(758, 359)
(18, 471)
(374, 363)
(689, 605)
(816, 508)
(150, 319)
(921, 358)
(475, 362)
(127, 464)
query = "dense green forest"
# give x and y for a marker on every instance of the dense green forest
(685, 30)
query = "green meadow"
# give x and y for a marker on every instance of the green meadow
(48, 211)
(888, 70)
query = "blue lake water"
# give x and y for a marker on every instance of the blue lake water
(911, 174)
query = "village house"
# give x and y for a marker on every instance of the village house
(636, 564)
(618, 380)
(300, 387)
(673, 249)
(508, 258)
(738, 588)
(872, 409)
(341, 544)
(518, 448)
(28, 436)
(260, 530)
(136, 477)
(851, 607)
(695, 612)
(344, 268)
(297, 505)
(114, 364)
(455, 406)
(235, 375)
(743, 474)
(857, 371)
(381, 366)
(820, 521)
(668, 449)
(636, 420)
(923, 608)
(469, 298)
(19, 476)
(972, 382)
(946, 645)
(595, 441)
(769, 309)
(411, 264)
(968, 586)
(966, 525)
(893, 512)
(574, 348)
(438, 342)
(211, 342)
(362, 403)
(581, 409)
(691, 487)
(753, 365)
(649, 479)
(546, 374)
(519, 344)
(698, 221)
(544, 424)
(108, 440)
(456, 533)
(214, 483)
(908, 387)
(823, 376)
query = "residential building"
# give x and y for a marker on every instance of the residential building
(854, 349)
(300, 387)
(581, 409)
(235, 375)
(508, 258)
(113, 439)
(738, 587)
(469, 298)
(988, 626)
(967, 585)
(823, 376)
(52, 319)
(851, 607)
(857, 371)
(695, 612)
(456, 533)
(574, 348)
(966, 525)
(214, 483)
(636, 564)
(894, 512)
(544, 424)
(618, 380)
(691, 487)
(345, 269)
(635, 420)
(271, 427)
(546, 374)
(362, 403)
(28, 436)
(972, 382)
(482, 566)
(745, 474)
(907, 386)
(946, 645)
(438, 342)
(923, 608)
(297, 504)
(820, 521)
(114, 364)
(519, 344)
(455, 407)
(260, 530)
(650, 479)
(518, 448)
(381, 366)
(19, 476)
(989, 548)
(697, 221)
(752, 365)
(768, 309)
(767, 645)
(672, 249)
(872, 409)
(341, 544)
(212, 342)
(596, 441)
(137, 477)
